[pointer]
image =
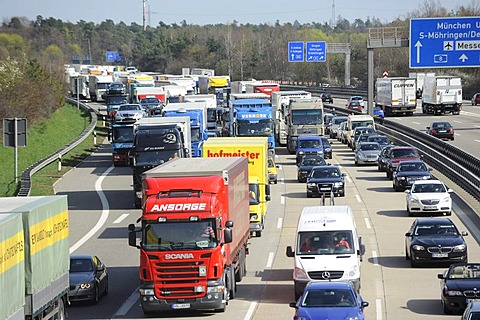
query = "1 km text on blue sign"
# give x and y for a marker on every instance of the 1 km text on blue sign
(445, 42)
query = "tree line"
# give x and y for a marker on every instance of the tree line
(33, 53)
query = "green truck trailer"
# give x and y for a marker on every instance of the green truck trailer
(34, 257)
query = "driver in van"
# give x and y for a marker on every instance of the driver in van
(341, 241)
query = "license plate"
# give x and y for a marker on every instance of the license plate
(439, 255)
(429, 208)
(181, 306)
(324, 189)
(443, 131)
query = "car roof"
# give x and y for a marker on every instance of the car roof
(403, 148)
(412, 162)
(434, 220)
(329, 285)
(474, 305)
(431, 181)
(325, 166)
(81, 256)
(309, 137)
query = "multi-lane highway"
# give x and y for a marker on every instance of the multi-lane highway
(101, 207)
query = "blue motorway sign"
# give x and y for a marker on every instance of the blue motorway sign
(316, 51)
(110, 56)
(295, 51)
(445, 42)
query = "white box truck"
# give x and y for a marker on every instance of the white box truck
(396, 95)
(98, 85)
(442, 94)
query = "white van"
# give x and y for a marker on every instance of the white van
(327, 247)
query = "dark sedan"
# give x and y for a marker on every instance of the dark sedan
(327, 148)
(441, 130)
(398, 154)
(459, 284)
(326, 97)
(327, 180)
(435, 240)
(88, 278)
(382, 158)
(306, 164)
(408, 172)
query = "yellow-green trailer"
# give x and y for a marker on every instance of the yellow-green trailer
(34, 254)
(255, 149)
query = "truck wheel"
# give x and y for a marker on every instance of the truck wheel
(242, 266)
(61, 311)
(258, 234)
(95, 296)
(232, 283)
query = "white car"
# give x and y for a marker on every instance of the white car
(358, 99)
(429, 196)
(129, 113)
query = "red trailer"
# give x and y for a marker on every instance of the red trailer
(194, 230)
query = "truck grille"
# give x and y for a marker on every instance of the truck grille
(307, 131)
(178, 279)
(320, 275)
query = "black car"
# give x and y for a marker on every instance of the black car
(88, 278)
(116, 88)
(327, 148)
(435, 240)
(326, 97)
(326, 180)
(152, 105)
(459, 283)
(442, 130)
(408, 172)
(306, 164)
(382, 158)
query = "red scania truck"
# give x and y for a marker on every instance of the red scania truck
(194, 233)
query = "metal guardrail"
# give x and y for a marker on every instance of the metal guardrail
(25, 182)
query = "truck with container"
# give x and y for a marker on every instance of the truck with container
(305, 117)
(442, 94)
(357, 120)
(34, 257)
(157, 140)
(79, 86)
(217, 85)
(121, 138)
(262, 87)
(98, 85)
(396, 96)
(140, 93)
(214, 112)
(197, 112)
(255, 149)
(194, 234)
(280, 102)
(240, 86)
(420, 77)
(174, 93)
(252, 118)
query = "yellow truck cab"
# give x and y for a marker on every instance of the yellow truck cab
(256, 150)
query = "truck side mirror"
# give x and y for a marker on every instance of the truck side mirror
(132, 236)
(227, 235)
(289, 252)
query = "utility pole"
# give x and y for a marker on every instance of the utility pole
(144, 14)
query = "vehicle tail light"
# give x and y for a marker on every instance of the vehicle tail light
(450, 130)
(434, 131)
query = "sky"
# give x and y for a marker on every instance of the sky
(203, 12)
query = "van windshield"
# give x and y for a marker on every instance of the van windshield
(325, 242)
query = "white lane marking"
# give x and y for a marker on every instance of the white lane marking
(251, 310)
(282, 180)
(476, 140)
(103, 216)
(358, 198)
(367, 223)
(279, 223)
(276, 156)
(456, 121)
(378, 306)
(128, 304)
(121, 218)
(349, 180)
(375, 258)
(279, 166)
(271, 255)
(477, 126)
(282, 200)
(415, 122)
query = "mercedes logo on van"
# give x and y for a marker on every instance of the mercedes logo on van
(326, 275)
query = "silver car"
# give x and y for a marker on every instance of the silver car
(367, 153)
(129, 113)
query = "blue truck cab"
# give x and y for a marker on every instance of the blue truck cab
(309, 145)
(197, 112)
(253, 118)
(121, 136)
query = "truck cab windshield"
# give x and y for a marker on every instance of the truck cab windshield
(156, 157)
(185, 235)
(123, 134)
(307, 117)
(195, 134)
(262, 129)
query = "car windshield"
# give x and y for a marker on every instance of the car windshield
(313, 162)
(330, 172)
(369, 146)
(428, 188)
(469, 271)
(435, 229)
(405, 153)
(339, 120)
(328, 298)
(412, 167)
(381, 140)
(310, 144)
(81, 265)
(325, 242)
(129, 107)
(149, 100)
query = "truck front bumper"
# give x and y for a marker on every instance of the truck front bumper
(151, 304)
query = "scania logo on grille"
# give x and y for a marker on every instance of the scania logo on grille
(173, 256)
(326, 275)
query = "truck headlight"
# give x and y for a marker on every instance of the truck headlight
(216, 289)
(147, 292)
